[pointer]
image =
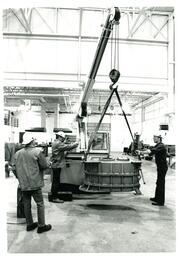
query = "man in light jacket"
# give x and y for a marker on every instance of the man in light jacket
(28, 166)
(59, 147)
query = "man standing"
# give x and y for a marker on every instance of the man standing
(59, 147)
(160, 153)
(28, 166)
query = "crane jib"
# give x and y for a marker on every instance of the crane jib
(112, 19)
(103, 42)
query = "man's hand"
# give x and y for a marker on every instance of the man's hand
(138, 152)
(148, 151)
(76, 144)
(10, 168)
(50, 164)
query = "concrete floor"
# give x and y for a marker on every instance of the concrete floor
(111, 223)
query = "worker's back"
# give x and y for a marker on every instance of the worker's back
(29, 165)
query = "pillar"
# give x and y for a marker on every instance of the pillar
(56, 116)
(43, 116)
(171, 66)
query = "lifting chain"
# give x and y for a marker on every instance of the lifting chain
(114, 73)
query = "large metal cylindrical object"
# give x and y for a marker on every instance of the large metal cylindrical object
(111, 176)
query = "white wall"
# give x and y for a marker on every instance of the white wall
(120, 135)
(68, 121)
(10, 134)
(28, 119)
(50, 123)
(149, 123)
(139, 64)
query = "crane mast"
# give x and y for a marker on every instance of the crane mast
(112, 19)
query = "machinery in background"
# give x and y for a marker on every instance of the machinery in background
(135, 145)
(138, 145)
(10, 148)
(171, 155)
(101, 143)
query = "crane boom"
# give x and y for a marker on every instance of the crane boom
(112, 18)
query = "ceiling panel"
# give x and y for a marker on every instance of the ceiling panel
(69, 99)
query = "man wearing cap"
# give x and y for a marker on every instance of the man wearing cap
(28, 166)
(59, 147)
(160, 153)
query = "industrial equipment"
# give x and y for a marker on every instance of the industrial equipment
(94, 170)
(111, 175)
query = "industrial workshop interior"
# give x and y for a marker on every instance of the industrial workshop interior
(89, 129)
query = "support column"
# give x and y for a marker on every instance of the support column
(142, 117)
(43, 116)
(56, 116)
(171, 66)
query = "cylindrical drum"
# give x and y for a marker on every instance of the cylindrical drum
(111, 176)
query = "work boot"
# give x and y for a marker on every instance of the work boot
(44, 228)
(159, 204)
(32, 226)
(153, 199)
(57, 200)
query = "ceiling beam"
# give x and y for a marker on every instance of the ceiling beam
(162, 26)
(135, 22)
(142, 22)
(19, 19)
(44, 21)
(19, 35)
(25, 20)
(158, 30)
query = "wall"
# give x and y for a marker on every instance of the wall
(147, 121)
(120, 135)
(10, 134)
(28, 119)
(140, 64)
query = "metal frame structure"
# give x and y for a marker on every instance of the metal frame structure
(25, 16)
(136, 20)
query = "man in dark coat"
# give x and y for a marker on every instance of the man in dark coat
(59, 147)
(160, 153)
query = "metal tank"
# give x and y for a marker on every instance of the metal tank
(112, 175)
